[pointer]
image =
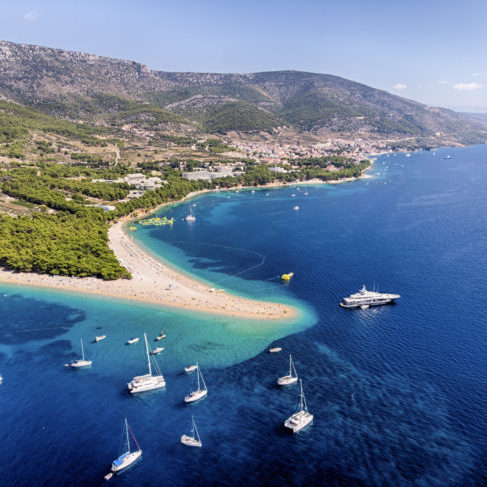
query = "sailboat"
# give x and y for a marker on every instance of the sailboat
(194, 439)
(80, 362)
(302, 417)
(191, 217)
(128, 457)
(292, 377)
(199, 393)
(147, 382)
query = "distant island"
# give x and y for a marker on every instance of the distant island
(87, 140)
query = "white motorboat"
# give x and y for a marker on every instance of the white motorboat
(133, 340)
(1, 379)
(368, 298)
(147, 382)
(275, 350)
(200, 392)
(190, 368)
(157, 350)
(193, 439)
(301, 418)
(100, 338)
(128, 457)
(80, 362)
(296, 208)
(160, 337)
(291, 378)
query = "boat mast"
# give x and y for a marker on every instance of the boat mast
(147, 352)
(82, 349)
(290, 365)
(195, 430)
(303, 405)
(198, 375)
(203, 380)
(128, 439)
(293, 368)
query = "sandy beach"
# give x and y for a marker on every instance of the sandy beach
(154, 282)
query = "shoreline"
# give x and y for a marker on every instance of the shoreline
(158, 282)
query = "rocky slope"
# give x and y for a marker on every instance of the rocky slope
(76, 85)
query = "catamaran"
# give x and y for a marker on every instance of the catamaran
(199, 393)
(80, 362)
(147, 382)
(194, 439)
(291, 378)
(128, 457)
(191, 217)
(300, 418)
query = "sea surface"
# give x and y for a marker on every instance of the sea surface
(398, 393)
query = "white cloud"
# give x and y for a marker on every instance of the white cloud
(399, 87)
(468, 86)
(443, 82)
(30, 16)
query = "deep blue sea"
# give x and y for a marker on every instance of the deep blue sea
(399, 393)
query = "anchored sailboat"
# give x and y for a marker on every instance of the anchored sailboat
(191, 217)
(302, 417)
(128, 457)
(194, 439)
(292, 377)
(80, 362)
(147, 382)
(200, 392)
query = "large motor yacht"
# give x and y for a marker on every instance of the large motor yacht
(365, 298)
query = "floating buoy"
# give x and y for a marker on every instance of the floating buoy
(287, 277)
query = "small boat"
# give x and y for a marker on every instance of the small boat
(194, 439)
(253, 191)
(108, 476)
(447, 157)
(287, 277)
(291, 378)
(408, 155)
(160, 337)
(302, 417)
(267, 194)
(100, 338)
(306, 194)
(157, 350)
(293, 195)
(190, 218)
(1, 379)
(147, 382)
(190, 368)
(128, 457)
(275, 350)
(80, 362)
(200, 393)
(133, 340)
(296, 208)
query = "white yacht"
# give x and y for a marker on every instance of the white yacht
(80, 362)
(100, 338)
(190, 368)
(200, 393)
(291, 378)
(133, 340)
(147, 382)
(302, 417)
(194, 439)
(128, 457)
(157, 350)
(365, 298)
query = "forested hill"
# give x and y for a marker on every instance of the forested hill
(79, 85)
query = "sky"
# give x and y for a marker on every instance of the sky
(426, 50)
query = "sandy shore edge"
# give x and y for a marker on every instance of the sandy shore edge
(155, 282)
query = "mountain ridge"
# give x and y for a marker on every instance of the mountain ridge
(64, 82)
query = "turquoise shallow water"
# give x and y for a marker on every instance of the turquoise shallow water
(398, 392)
